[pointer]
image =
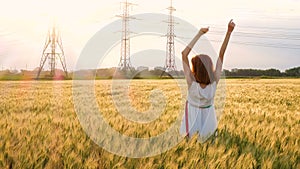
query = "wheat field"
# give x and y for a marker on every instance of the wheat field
(259, 128)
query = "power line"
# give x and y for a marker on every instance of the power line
(264, 36)
(265, 33)
(280, 46)
(261, 28)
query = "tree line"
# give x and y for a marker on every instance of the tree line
(109, 73)
(293, 72)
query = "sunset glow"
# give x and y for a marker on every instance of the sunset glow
(24, 26)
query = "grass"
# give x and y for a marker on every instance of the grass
(259, 128)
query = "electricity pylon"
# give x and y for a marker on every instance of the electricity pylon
(125, 63)
(170, 65)
(52, 52)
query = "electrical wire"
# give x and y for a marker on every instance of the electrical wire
(247, 36)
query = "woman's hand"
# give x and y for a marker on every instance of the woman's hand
(204, 30)
(231, 26)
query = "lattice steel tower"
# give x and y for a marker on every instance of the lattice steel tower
(52, 52)
(125, 63)
(170, 48)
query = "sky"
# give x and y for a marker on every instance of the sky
(267, 34)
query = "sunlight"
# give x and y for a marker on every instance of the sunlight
(24, 26)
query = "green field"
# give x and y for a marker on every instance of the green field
(259, 128)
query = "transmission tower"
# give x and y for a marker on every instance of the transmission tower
(52, 52)
(170, 66)
(170, 48)
(125, 63)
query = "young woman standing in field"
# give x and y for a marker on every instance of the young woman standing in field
(202, 80)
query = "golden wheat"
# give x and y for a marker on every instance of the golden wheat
(259, 127)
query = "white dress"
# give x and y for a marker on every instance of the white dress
(200, 112)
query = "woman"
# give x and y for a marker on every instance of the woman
(202, 80)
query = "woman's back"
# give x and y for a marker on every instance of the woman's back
(201, 97)
(200, 113)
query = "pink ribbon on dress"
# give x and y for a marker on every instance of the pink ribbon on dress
(186, 119)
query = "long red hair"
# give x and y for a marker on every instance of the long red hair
(203, 70)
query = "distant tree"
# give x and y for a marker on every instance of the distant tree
(272, 72)
(227, 72)
(293, 72)
(252, 72)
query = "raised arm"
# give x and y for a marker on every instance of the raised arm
(185, 53)
(219, 65)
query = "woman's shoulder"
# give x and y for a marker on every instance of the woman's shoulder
(198, 86)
